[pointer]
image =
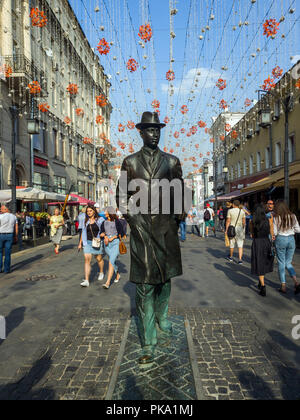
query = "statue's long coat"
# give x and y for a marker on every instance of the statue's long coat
(154, 243)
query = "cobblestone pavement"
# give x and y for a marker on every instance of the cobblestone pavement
(237, 359)
(51, 309)
(77, 363)
(170, 377)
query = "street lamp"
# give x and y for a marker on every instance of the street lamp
(264, 117)
(33, 126)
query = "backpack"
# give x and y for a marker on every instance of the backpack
(221, 215)
(206, 216)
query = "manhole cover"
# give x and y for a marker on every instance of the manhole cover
(41, 277)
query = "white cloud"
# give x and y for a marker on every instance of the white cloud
(295, 59)
(207, 78)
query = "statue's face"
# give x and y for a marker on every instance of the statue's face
(151, 136)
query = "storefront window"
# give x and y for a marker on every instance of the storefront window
(60, 185)
(81, 188)
(41, 181)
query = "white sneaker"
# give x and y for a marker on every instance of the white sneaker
(85, 283)
(101, 277)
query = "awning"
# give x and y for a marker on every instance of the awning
(31, 195)
(75, 200)
(294, 181)
(276, 179)
(230, 196)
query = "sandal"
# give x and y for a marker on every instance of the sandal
(105, 286)
(282, 290)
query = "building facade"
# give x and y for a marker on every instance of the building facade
(256, 150)
(64, 153)
(219, 130)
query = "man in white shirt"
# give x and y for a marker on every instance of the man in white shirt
(236, 217)
(8, 231)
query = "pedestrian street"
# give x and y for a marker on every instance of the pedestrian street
(64, 342)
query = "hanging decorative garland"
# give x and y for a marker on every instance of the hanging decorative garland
(79, 112)
(221, 84)
(271, 27)
(87, 140)
(184, 109)
(277, 72)
(201, 124)
(182, 130)
(298, 84)
(34, 88)
(145, 32)
(103, 47)
(156, 104)
(101, 100)
(38, 18)
(99, 119)
(132, 65)
(67, 120)
(44, 107)
(269, 84)
(223, 104)
(72, 89)
(130, 125)
(167, 120)
(227, 128)
(121, 128)
(7, 70)
(170, 75)
(176, 134)
(248, 102)
(234, 134)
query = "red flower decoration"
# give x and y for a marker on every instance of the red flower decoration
(145, 32)
(132, 65)
(121, 128)
(201, 124)
(38, 18)
(182, 130)
(184, 109)
(227, 128)
(67, 120)
(221, 84)
(72, 89)
(277, 72)
(99, 119)
(176, 134)
(170, 75)
(103, 47)
(79, 112)
(34, 88)
(269, 84)
(130, 125)
(44, 107)
(155, 104)
(101, 100)
(167, 120)
(271, 27)
(248, 102)
(298, 84)
(223, 104)
(234, 134)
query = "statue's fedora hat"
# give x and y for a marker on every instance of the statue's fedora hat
(150, 119)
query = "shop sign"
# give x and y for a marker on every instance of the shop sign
(40, 162)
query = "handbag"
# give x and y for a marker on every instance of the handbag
(122, 248)
(232, 229)
(96, 242)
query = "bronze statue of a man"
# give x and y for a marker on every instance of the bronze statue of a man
(154, 243)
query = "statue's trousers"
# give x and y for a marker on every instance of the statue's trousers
(152, 304)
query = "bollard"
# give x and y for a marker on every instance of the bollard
(34, 235)
(2, 328)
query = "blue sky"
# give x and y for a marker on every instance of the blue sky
(232, 37)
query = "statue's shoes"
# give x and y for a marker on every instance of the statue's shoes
(146, 359)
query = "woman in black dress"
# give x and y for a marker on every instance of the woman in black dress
(262, 260)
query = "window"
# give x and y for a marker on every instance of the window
(239, 169)
(60, 185)
(81, 187)
(245, 167)
(278, 154)
(41, 181)
(40, 140)
(292, 151)
(267, 157)
(55, 143)
(63, 148)
(258, 162)
(232, 173)
(251, 165)
(71, 154)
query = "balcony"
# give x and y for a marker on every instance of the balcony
(24, 71)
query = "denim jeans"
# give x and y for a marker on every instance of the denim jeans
(285, 249)
(182, 226)
(6, 242)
